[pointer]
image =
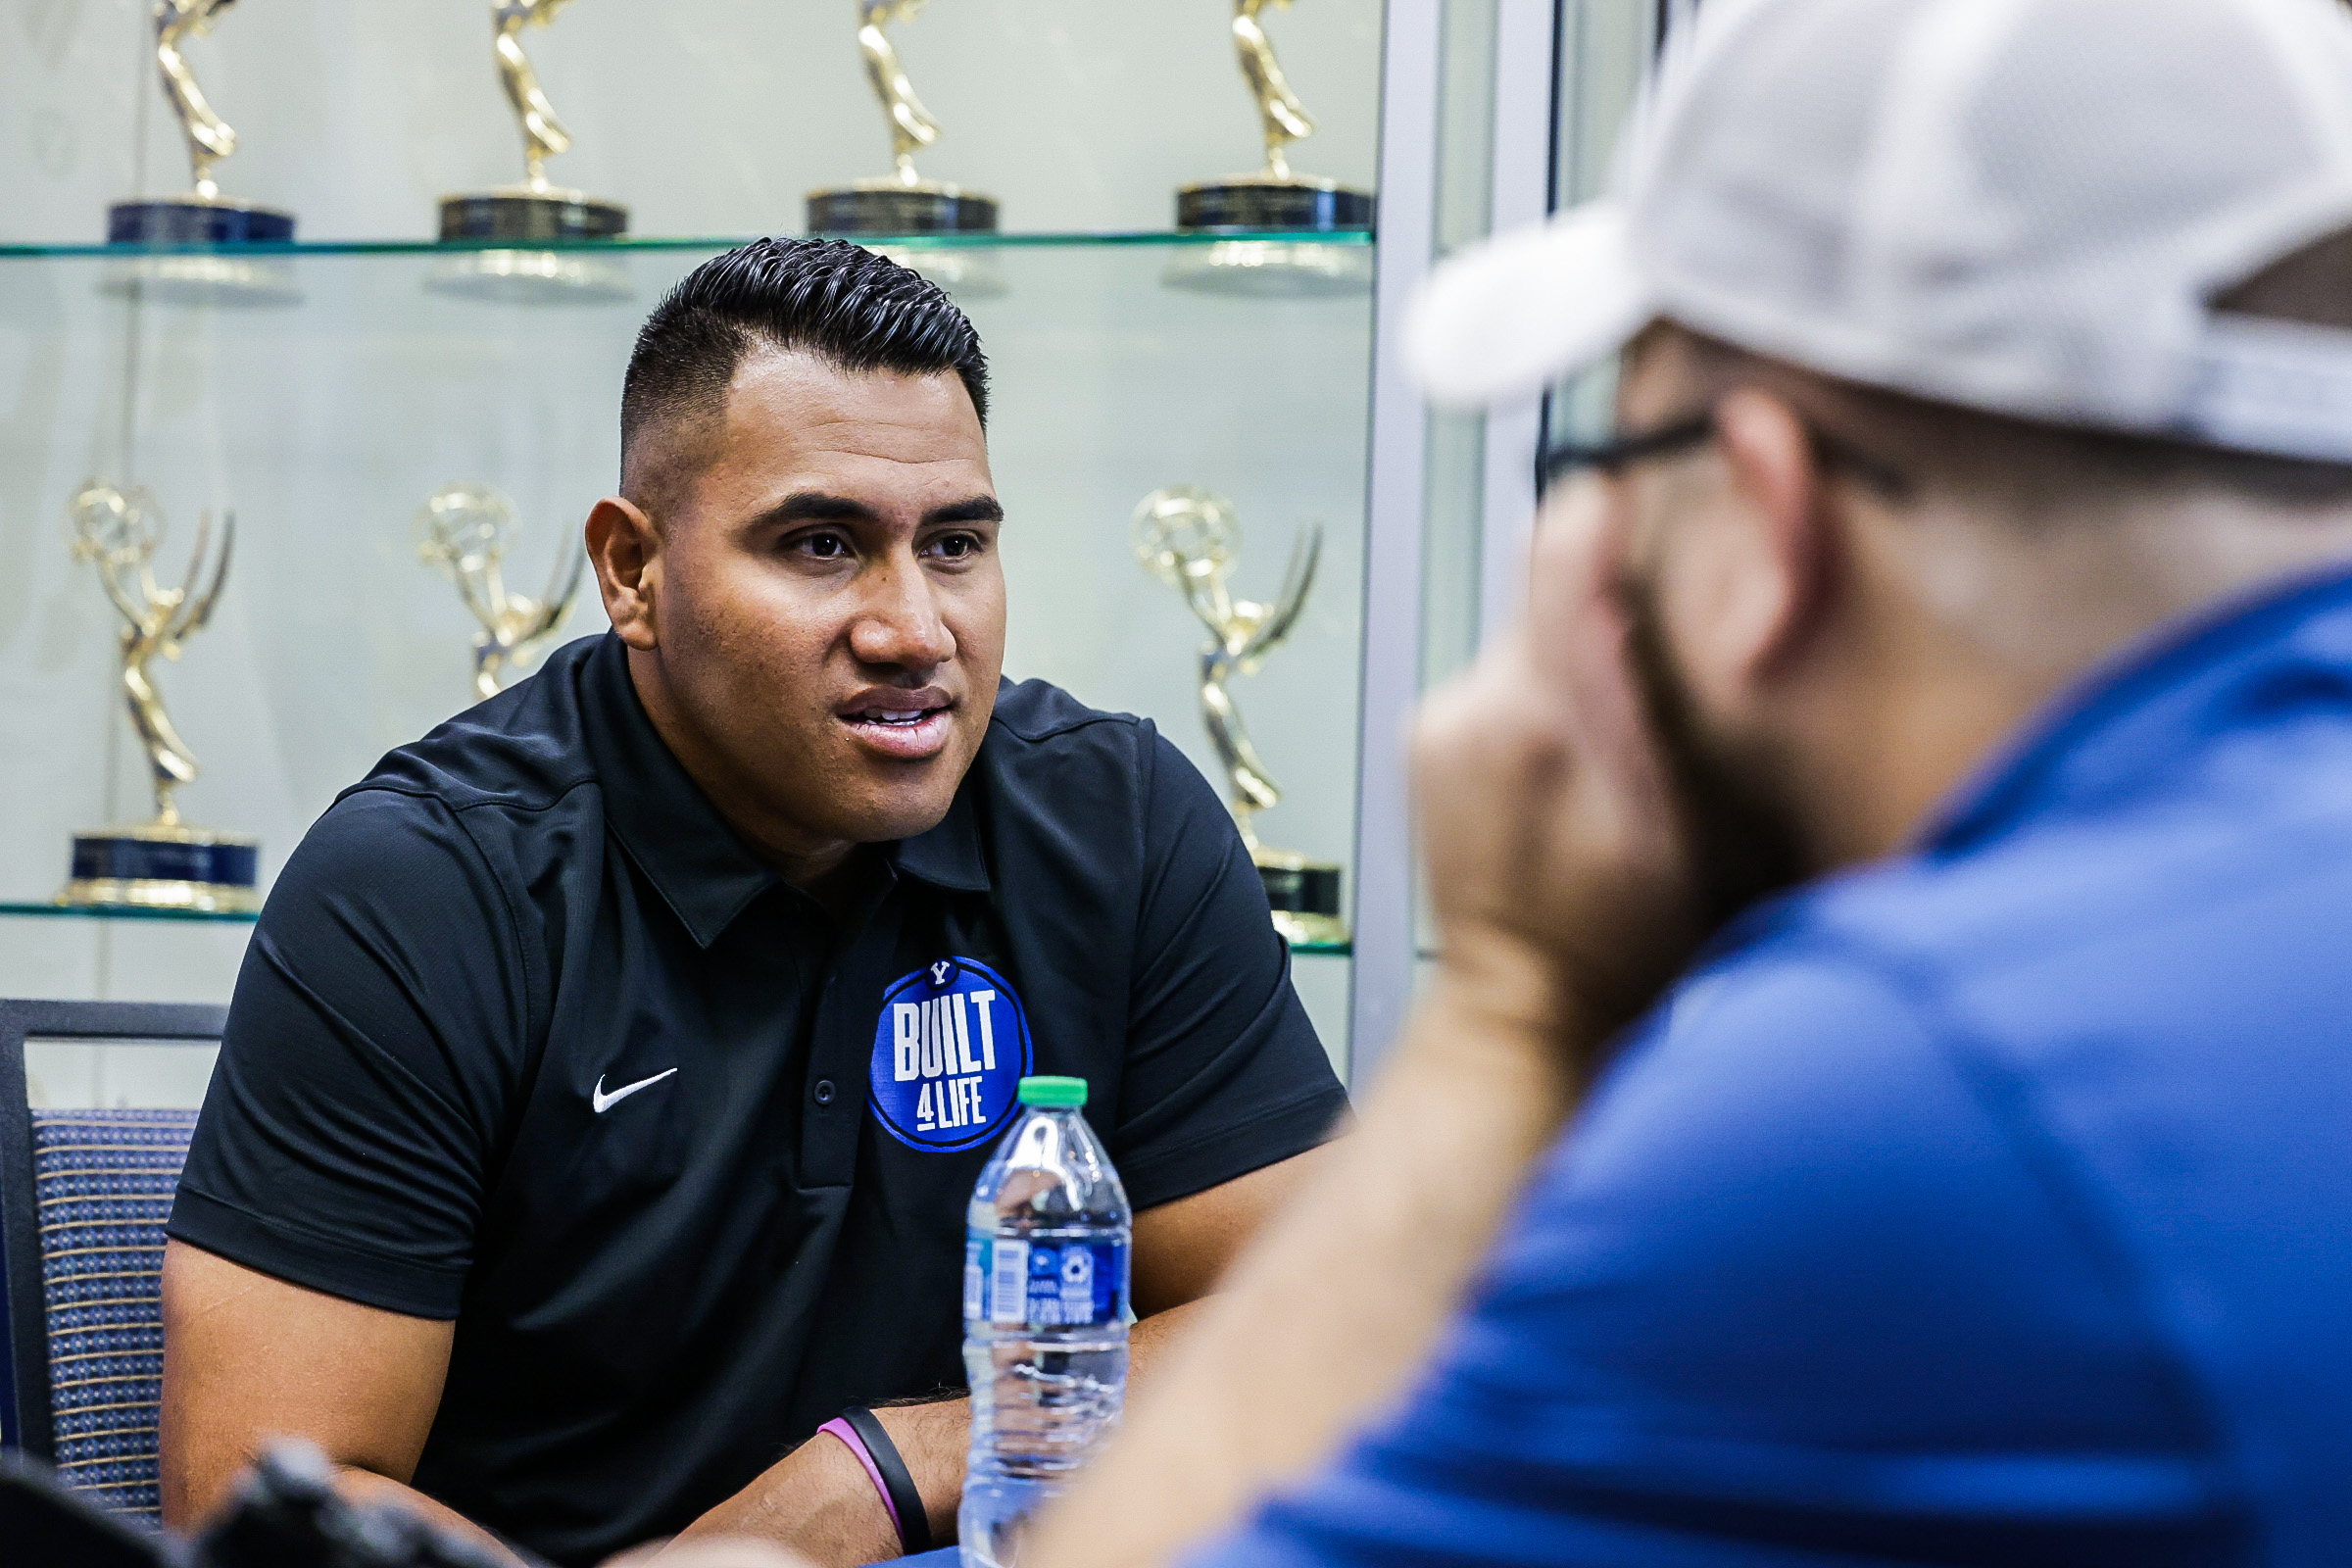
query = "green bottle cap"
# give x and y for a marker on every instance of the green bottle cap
(1053, 1093)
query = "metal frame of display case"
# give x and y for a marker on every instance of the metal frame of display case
(1526, 86)
(1551, 57)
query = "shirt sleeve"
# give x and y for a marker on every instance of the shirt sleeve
(370, 1053)
(1224, 1073)
(1796, 1291)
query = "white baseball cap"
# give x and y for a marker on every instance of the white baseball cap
(2023, 206)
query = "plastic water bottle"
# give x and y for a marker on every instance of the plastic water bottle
(1045, 1316)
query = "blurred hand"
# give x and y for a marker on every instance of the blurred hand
(1557, 863)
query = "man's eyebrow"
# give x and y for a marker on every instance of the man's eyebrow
(979, 509)
(814, 506)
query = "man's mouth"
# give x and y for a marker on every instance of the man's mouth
(906, 726)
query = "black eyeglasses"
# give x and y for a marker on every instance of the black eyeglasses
(1611, 456)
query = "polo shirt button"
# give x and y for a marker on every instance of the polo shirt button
(824, 1091)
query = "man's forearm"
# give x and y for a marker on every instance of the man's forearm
(365, 1488)
(1340, 1298)
(819, 1500)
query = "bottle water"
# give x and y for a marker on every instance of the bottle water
(1045, 1316)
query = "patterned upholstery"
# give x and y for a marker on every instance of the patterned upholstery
(103, 1180)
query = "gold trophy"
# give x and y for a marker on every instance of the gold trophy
(203, 216)
(462, 532)
(1189, 539)
(901, 202)
(1275, 199)
(536, 212)
(165, 864)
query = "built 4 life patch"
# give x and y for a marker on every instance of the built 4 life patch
(951, 1048)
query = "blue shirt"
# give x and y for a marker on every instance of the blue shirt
(1991, 1205)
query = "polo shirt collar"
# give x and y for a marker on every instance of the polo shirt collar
(948, 855)
(700, 867)
(2123, 726)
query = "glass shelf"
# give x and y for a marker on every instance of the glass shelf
(323, 428)
(658, 243)
(71, 911)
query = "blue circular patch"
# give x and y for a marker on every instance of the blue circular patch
(951, 1048)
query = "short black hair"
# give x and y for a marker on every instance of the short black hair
(828, 297)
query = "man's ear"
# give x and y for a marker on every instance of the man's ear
(1769, 566)
(626, 551)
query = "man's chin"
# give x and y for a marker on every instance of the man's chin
(885, 812)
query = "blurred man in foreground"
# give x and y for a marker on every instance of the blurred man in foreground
(1972, 560)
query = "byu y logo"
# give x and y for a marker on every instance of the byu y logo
(951, 1048)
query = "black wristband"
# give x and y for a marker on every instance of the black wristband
(914, 1524)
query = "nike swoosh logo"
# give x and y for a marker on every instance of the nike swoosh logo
(603, 1101)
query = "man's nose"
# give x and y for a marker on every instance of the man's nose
(899, 620)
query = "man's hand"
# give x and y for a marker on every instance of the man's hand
(1556, 860)
(819, 1499)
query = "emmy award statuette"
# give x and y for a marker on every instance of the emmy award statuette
(462, 532)
(1275, 199)
(903, 202)
(1189, 539)
(536, 212)
(203, 216)
(165, 864)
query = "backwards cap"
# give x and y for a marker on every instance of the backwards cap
(2021, 206)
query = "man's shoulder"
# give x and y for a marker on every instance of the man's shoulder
(1094, 776)
(1047, 754)
(2082, 903)
(1036, 718)
(523, 748)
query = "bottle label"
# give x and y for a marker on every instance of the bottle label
(1045, 1284)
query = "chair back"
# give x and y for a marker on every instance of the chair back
(102, 1184)
(84, 1193)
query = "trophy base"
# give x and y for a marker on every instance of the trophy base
(1282, 203)
(197, 278)
(164, 866)
(526, 213)
(196, 221)
(893, 207)
(532, 277)
(1305, 898)
(1271, 268)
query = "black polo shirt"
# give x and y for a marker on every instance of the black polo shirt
(528, 1037)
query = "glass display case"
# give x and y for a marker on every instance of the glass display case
(325, 410)
(328, 389)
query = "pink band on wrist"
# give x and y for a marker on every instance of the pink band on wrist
(847, 1434)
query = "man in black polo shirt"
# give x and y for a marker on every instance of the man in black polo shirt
(612, 1067)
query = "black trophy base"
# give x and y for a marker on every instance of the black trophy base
(1270, 202)
(525, 215)
(1305, 898)
(196, 221)
(890, 206)
(160, 865)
